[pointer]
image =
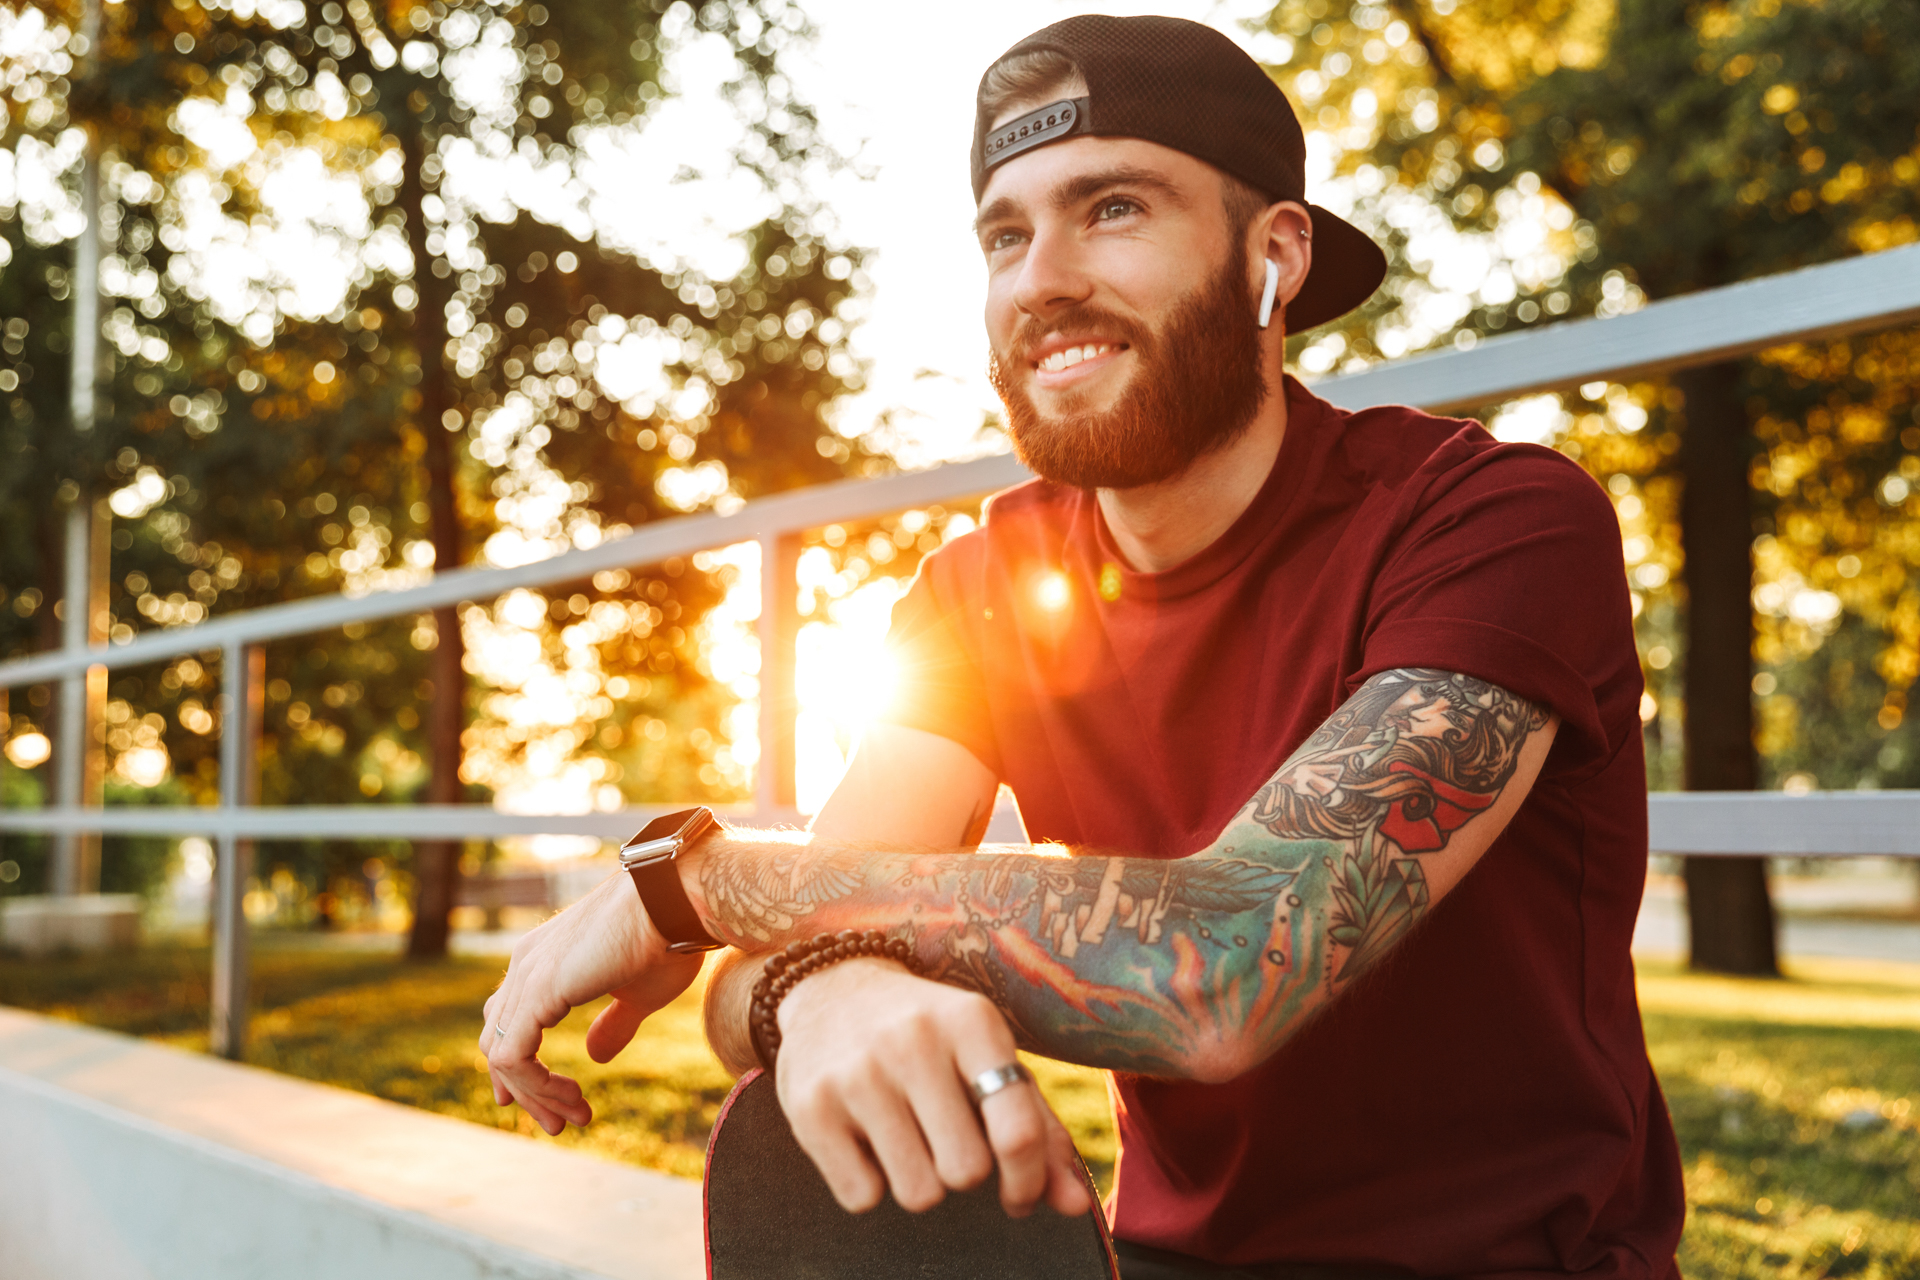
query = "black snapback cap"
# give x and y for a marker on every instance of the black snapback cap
(1187, 86)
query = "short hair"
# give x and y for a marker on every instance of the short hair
(1030, 79)
(1036, 77)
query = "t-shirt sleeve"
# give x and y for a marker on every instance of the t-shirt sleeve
(1510, 571)
(937, 684)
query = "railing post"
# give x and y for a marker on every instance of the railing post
(243, 683)
(70, 742)
(778, 629)
(76, 854)
(93, 735)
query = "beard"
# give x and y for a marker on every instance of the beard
(1198, 385)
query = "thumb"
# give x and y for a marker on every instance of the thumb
(613, 1029)
(632, 1004)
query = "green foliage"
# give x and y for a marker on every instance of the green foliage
(1659, 149)
(22, 789)
(128, 864)
(271, 454)
(138, 864)
(1752, 138)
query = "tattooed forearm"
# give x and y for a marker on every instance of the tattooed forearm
(1192, 967)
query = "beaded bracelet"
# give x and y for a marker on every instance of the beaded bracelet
(801, 960)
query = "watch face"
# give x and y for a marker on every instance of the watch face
(664, 826)
(665, 835)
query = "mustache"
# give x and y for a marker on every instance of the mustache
(1030, 333)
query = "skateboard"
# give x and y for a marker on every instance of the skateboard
(769, 1216)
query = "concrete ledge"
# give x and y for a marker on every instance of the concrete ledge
(128, 1159)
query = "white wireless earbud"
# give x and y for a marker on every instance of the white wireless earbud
(1273, 287)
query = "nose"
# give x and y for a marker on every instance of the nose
(1052, 276)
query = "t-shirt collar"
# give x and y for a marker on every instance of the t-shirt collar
(1298, 447)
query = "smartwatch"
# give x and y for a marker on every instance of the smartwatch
(649, 859)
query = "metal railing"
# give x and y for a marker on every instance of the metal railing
(1836, 299)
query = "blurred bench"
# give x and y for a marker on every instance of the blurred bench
(493, 892)
(85, 922)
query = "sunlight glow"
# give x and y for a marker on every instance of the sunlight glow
(1530, 419)
(143, 766)
(1053, 591)
(196, 859)
(845, 678)
(29, 749)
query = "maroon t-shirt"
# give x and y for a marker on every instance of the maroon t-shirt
(1481, 1104)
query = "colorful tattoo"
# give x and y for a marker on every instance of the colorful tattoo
(1174, 967)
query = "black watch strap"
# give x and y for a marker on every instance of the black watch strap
(667, 906)
(657, 877)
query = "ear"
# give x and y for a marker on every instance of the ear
(1283, 235)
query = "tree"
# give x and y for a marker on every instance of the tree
(455, 320)
(597, 67)
(1749, 139)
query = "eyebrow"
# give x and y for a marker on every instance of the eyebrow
(1084, 187)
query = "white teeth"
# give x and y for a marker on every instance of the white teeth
(1074, 355)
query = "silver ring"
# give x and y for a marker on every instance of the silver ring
(988, 1083)
(499, 1030)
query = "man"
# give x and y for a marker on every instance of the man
(1283, 680)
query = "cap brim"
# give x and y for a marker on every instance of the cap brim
(1347, 267)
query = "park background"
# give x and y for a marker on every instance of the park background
(387, 286)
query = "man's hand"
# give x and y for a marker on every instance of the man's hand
(874, 1065)
(603, 944)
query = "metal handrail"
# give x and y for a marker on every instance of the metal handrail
(1831, 300)
(1838, 298)
(1815, 824)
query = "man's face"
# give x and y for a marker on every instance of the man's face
(1120, 310)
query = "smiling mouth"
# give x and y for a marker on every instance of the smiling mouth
(1067, 359)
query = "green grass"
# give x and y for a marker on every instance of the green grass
(1795, 1106)
(1796, 1102)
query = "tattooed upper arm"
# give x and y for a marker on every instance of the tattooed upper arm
(1199, 966)
(1404, 763)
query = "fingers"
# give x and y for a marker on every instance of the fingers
(554, 1101)
(950, 1127)
(1016, 1120)
(874, 1078)
(602, 945)
(514, 1065)
(1036, 1156)
(896, 1122)
(825, 1132)
(489, 1012)
(880, 1113)
(1067, 1192)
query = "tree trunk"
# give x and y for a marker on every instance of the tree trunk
(1729, 913)
(435, 862)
